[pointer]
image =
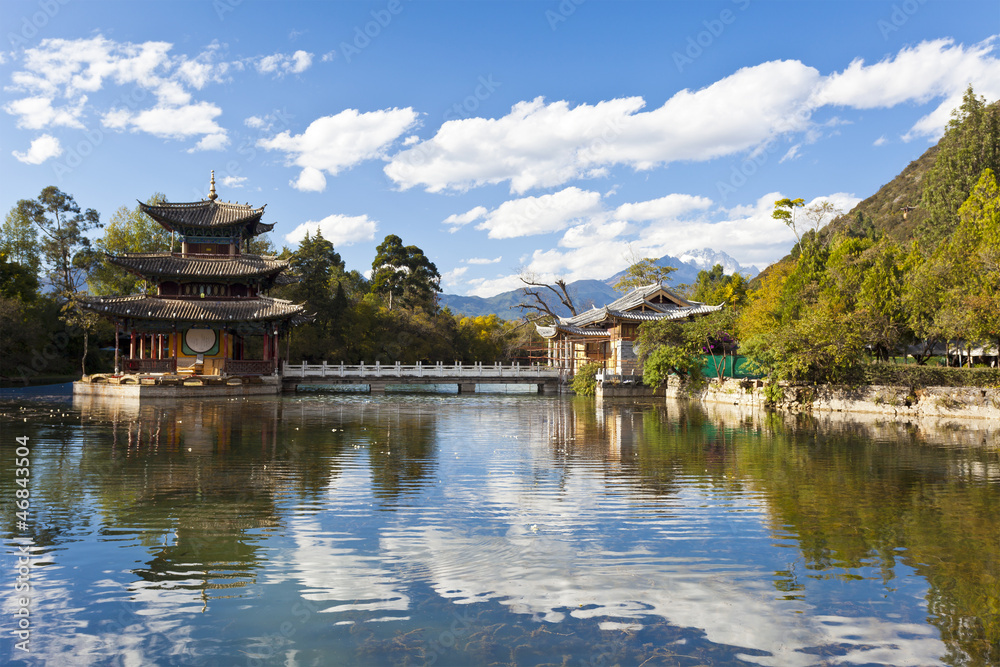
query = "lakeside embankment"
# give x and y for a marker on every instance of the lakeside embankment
(898, 401)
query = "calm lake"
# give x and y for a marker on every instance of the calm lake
(493, 529)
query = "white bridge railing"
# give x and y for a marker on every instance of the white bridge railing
(418, 370)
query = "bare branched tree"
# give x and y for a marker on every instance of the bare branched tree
(535, 291)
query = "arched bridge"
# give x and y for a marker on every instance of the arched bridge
(378, 376)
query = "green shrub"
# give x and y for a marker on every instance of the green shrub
(930, 376)
(585, 380)
(668, 359)
(773, 393)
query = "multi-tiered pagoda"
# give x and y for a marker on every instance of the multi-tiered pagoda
(209, 315)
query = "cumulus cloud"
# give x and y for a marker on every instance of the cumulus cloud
(339, 229)
(670, 206)
(459, 220)
(483, 260)
(36, 113)
(70, 70)
(280, 64)
(541, 144)
(600, 246)
(234, 181)
(452, 277)
(42, 148)
(748, 233)
(333, 143)
(529, 216)
(936, 69)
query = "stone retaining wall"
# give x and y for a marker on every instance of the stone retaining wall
(965, 402)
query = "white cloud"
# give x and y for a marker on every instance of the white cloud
(281, 64)
(600, 246)
(483, 260)
(42, 148)
(529, 216)
(70, 70)
(116, 119)
(459, 220)
(329, 56)
(310, 180)
(748, 233)
(881, 141)
(930, 70)
(179, 122)
(915, 74)
(254, 122)
(333, 143)
(234, 181)
(791, 154)
(37, 112)
(547, 144)
(338, 229)
(671, 206)
(211, 142)
(452, 277)
(544, 145)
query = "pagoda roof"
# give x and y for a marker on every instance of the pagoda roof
(635, 306)
(170, 265)
(160, 309)
(207, 214)
(551, 332)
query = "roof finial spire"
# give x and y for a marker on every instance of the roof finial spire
(211, 192)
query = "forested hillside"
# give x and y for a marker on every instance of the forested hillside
(915, 267)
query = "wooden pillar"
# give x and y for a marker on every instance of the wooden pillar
(267, 345)
(116, 348)
(225, 344)
(131, 347)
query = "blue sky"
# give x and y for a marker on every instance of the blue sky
(558, 137)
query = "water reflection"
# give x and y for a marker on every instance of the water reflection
(658, 531)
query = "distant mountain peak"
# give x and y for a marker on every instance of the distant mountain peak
(706, 258)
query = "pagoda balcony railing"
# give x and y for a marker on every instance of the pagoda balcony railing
(248, 366)
(479, 370)
(149, 365)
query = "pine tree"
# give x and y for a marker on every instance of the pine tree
(970, 145)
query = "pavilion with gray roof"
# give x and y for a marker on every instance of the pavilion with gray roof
(607, 334)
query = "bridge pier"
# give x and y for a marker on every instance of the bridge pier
(376, 388)
(467, 388)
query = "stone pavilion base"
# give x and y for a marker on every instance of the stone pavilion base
(173, 386)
